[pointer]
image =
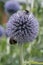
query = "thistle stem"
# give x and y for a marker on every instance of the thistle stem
(30, 54)
(21, 59)
(30, 47)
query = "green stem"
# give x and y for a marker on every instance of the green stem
(30, 54)
(30, 47)
(21, 59)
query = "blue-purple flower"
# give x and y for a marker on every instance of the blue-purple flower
(23, 26)
(1, 31)
(11, 7)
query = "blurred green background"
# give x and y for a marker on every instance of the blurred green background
(9, 54)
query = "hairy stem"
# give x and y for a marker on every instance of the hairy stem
(30, 54)
(21, 59)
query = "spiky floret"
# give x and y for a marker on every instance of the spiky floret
(24, 26)
(11, 7)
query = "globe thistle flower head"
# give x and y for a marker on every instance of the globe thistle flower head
(24, 26)
(1, 31)
(11, 7)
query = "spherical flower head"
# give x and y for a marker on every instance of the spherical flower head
(11, 7)
(23, 26)
(1, 31)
